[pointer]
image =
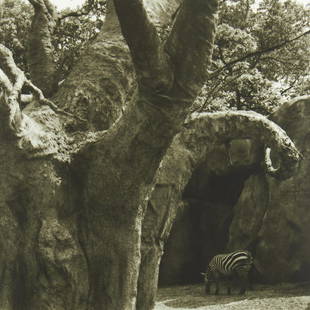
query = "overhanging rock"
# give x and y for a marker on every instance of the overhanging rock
(217, 140)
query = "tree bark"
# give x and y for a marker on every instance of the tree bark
(142, 136)
(93, 233)
(42, 65)
(71, 233)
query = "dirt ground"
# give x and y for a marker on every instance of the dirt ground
(284, 296)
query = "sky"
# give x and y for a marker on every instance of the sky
(62, 4)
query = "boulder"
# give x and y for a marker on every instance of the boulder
(231, 203)
(273, 217)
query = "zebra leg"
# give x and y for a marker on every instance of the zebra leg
(217, 283)
(242, 290)
(229, 288)
(217, 287)
(243, 280)
(229, 283)
(207, 288)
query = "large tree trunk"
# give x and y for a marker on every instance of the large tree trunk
(73, 197)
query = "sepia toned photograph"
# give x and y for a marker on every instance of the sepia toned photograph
(154, 154)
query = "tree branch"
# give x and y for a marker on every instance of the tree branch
(259, 53)
(269, 49)
(11, 81)
(8, 66)
(31, 137)
(136, 144)
(85, 10)
(73, 14)
(150, 62)
(190, 44)
(290, 87)
(223, 126)
(221, 83)
(40, 49)
(5, 84)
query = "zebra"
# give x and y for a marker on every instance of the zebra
(228, 267)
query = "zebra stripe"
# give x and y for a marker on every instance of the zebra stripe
(227, 263)
(236, 264)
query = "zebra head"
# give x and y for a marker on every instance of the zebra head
(206, 276)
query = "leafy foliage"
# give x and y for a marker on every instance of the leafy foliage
(262, 81)
(258, 83)
(15, 20)
(74, 32)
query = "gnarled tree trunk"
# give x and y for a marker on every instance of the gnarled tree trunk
(71, 232)
(73, 197)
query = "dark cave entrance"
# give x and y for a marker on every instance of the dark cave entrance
(201, 229)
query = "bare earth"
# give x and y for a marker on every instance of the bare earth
(284, 296)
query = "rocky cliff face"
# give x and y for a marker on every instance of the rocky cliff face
(231, 203)
(272, 217)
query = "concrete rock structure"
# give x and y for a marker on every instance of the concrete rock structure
(229, 202)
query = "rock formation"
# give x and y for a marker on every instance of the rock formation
(229, 202)
(273, 217)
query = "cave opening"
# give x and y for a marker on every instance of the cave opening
(201, 228)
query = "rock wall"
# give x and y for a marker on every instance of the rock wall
(201, 228)
(272, 217)
(231, 204)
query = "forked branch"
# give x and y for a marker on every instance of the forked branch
(11, 82)
(13, 79)
(150, 62)
(190, 44)
(30, 136)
